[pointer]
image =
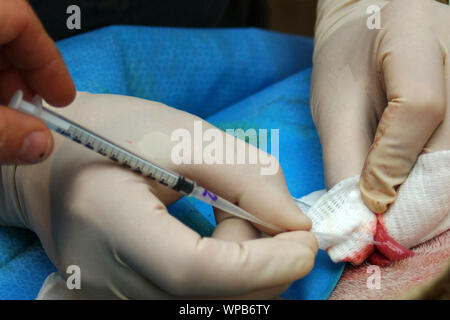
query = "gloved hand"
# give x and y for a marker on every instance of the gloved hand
(113, 223)
(379, 96)
(30, 61)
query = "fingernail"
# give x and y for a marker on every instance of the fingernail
(35, 147)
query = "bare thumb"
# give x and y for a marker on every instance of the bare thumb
(23, 139)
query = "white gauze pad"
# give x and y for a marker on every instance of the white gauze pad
(420, 212)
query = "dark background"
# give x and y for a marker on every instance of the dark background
(290, 16)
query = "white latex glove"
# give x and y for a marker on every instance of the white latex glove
(379, 96)
(113, 223)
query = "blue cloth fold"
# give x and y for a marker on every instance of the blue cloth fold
(234, 78)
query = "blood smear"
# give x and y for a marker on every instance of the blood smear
(379, 260)
(389, 251)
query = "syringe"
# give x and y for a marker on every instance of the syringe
(109, 149)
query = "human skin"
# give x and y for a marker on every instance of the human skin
(30, 61)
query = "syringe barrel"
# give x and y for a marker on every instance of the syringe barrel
(51, 120)
(103, 146)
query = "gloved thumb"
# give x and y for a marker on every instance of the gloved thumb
(23, 139)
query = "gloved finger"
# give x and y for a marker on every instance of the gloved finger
(28, 48)
(231, 228)
(344, 116)
(182, 263)
(23, 139)
(209, 267)
(440, 140)
(415, 92)
(129, 284)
